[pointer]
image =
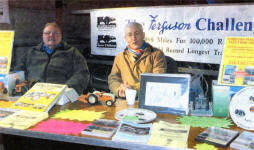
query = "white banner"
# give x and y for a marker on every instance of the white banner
(4, 12)
(189, 33)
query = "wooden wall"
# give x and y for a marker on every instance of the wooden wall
(28, 17)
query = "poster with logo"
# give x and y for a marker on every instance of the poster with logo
(185, 33)
(6, 44)
(4, 12)
(237, 64)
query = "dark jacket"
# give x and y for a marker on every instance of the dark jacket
(66, 65)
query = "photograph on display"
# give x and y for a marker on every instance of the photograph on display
(237, 63)
(106, 122)
(104, 22)
(229, 76)
(101, 128)
(165, 93)
(249, 78)
(104, 36)
(133, 132)
(106, 41)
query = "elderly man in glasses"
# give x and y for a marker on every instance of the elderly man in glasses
(54, 61)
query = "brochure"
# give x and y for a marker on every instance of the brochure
(171, 135)
(23, 119)
(41, 97)
(101, 128)
(133, 132)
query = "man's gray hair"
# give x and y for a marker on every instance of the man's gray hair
(136, 24)
(53, 24)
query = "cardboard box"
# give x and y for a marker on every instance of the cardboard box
(8, 83)
(222, 95)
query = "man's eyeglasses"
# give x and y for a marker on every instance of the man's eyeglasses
(134, 34)
(53, 33)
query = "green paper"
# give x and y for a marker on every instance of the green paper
(205, 147)
(130, 118)
(205, 122)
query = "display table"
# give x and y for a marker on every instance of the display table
(104, 142)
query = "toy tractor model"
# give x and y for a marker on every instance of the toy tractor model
(20, 88)
(96, 96)
(3, 90)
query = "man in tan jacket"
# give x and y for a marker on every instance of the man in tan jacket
(139, 57)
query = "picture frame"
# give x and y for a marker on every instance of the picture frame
(165, 93)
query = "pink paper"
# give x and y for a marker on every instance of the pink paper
(60, 127)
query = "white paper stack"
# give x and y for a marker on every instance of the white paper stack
(70, 95)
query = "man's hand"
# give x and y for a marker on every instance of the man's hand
(122, 89)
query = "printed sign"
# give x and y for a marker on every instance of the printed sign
(189, 33)
(4, 12)
(6, 43)
(237, 64)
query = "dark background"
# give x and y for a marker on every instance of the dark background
(28, 17)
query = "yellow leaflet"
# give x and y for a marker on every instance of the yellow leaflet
(6, 43)
(205, 146)
(80, 115)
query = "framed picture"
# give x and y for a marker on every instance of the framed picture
(165, 93)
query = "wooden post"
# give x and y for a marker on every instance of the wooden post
(59, 12)
(1, 142)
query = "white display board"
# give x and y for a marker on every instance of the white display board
(186, 33)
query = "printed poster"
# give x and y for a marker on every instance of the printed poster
(185, 33)
(237, 65)
(6, 44)
(4, 12)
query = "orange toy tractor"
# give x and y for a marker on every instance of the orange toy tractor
(96, 96)
(20, 88)
(3, 90)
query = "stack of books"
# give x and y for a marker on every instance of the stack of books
(32, 107)
(41, 97)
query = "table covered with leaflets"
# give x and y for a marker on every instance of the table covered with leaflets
(67, 123)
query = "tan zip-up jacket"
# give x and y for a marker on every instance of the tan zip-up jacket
(126, 68)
